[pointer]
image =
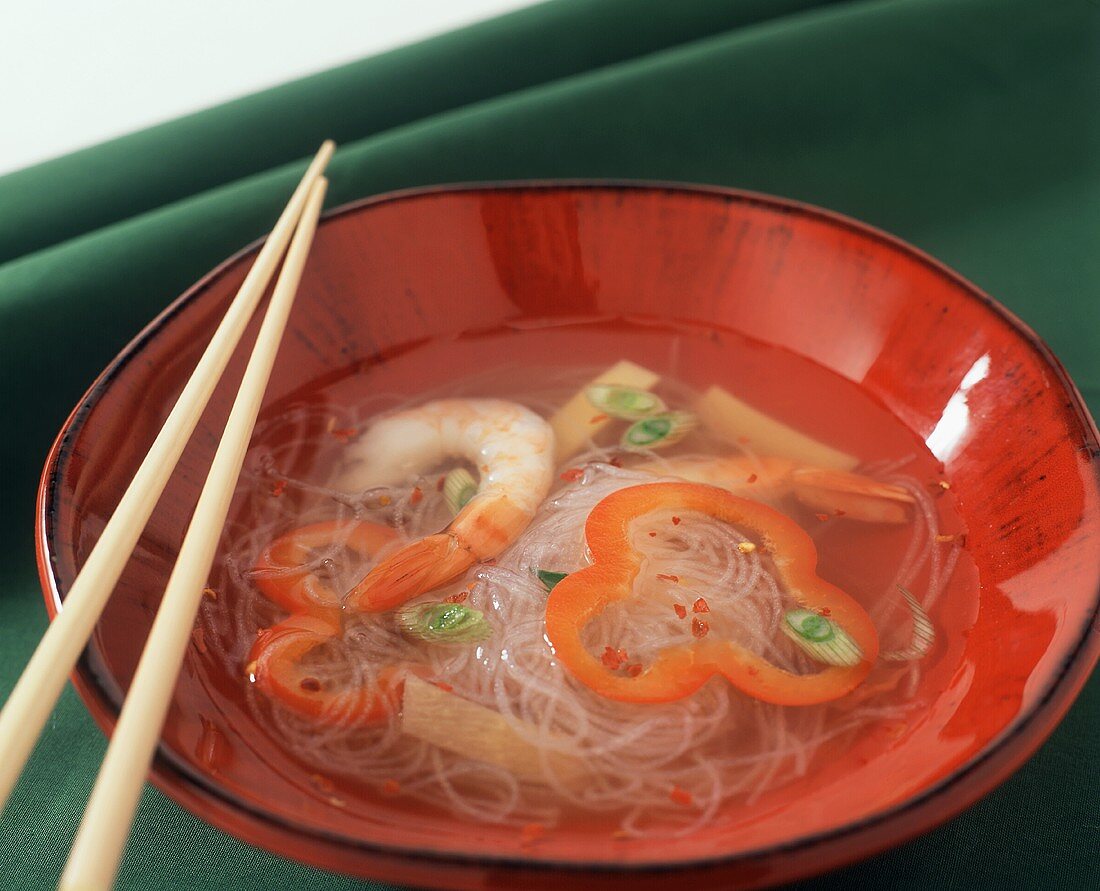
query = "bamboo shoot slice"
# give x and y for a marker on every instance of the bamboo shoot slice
(578, 420)
(466, 728)
(735, 421)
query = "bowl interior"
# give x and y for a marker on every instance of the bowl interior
(444, 267)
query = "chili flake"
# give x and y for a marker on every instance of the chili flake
(699, 628)
(323, 783)
(652, 534)
(700, 606)
(460, 597)
(391, 787)
(681, 610)
(752, 478)
(613, 658)
(668, 577)
(345, 433)
(681, 796)
(597, 419)
(634, 670)
(822, 517)
(310, 685)
(675, 521)
(531, 833)
(278, 488)
(572, 474)
(417, 496)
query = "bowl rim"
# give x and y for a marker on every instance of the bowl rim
(1002, 756)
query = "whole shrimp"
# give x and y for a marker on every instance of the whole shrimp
(853, 495)
(510, 446)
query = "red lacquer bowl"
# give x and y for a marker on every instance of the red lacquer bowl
(391, 273)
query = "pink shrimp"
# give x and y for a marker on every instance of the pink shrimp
(510, 446)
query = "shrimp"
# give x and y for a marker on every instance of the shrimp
(511, 447)
(835, 492)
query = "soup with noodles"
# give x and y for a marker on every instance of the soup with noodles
(642, 594)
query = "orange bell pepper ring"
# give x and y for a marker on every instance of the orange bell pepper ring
(278, 657)
(679, 671)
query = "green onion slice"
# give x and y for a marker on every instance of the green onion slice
(924, 635)
(822, 639)
(550, 579)
(658, 431)
(459, 486)
(626, 403)
(443, 623)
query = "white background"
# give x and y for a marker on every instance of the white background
(76, 72)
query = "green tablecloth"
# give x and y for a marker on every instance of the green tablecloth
(968, 127)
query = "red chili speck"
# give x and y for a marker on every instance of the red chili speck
(824, 611)
(345, 433)
(752, 478)
(310, 685)
(531, 833)
(278, 488)
(597, 419)
(634, 670)
(460, 597)
(754, 671)
(700, 606)
(839, 512)
(417, 496)
(323, 783)
(681, 610)
(391, 787)
(681, 796)
(668, 577)
(614, 658)
(444, 686)
(572, 474)
(822, 517)
(699, 628)
(675, 521)
(652, 534)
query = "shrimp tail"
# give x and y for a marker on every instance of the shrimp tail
(418, 567)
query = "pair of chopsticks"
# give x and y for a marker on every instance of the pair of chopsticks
(101, 839)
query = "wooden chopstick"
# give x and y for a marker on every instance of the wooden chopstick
(33, 698)
(101, 839)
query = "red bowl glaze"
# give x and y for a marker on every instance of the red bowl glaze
(389, 272)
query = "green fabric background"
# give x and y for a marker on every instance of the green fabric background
(968, 127)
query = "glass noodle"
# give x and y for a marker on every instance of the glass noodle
(657, 768)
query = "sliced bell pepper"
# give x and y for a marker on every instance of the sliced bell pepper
(679, 671)
(278, 661)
